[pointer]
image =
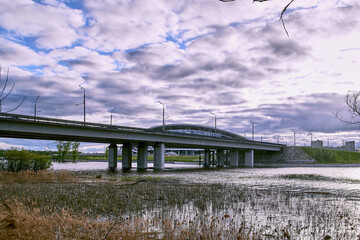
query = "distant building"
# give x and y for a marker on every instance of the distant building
(350, 146)
(317, 144)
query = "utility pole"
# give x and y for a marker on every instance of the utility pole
(163, 115)
(252, 129)
(310, 139)
(294, 138)
(111, 115)
(35, 107)
(84, 104)
(215, 119)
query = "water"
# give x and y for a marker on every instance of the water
(304, 202)
(342, 180)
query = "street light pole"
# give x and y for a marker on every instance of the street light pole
(163, 113)
(111, 115)
(215, 119)
(294, 138)
(252, 129)
(84, 103)
(35, 107)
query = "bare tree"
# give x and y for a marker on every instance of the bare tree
(4, 95)
(352, 100)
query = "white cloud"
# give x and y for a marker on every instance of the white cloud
(53, 26)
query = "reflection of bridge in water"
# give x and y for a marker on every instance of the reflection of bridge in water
(225, 146)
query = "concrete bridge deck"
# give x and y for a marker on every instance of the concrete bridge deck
(28, 127)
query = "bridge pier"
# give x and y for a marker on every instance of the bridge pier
(159, 156)
(249, 158)
(142, 157)
(206, 158)
(234, 158)
(126, 156)
(112, 161)
(220, 157)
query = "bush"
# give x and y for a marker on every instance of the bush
(17, 160)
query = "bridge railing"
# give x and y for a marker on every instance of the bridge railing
(67, 122)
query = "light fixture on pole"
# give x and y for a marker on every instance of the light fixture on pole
(35, 107)
(111, 115)
(84, 103)
(163, 116)
(252, 129)
(215, 119)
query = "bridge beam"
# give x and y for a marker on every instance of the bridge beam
(206, 158)
(220, 157)
(126, 156)
(249, 158)
(112, 161)
(142, 156)
(159, 156)
(234, 158)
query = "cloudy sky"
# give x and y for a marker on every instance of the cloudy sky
(196, 56)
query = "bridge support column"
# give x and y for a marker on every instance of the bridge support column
(220, 157)
(249, 158)
(126, 156)
(159, 156)
(206, 158)
(234, 158)
(142, 157)
(112, 161)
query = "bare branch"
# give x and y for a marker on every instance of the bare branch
(17, 106)
(282, 14)
(352, 100)
(6, 81)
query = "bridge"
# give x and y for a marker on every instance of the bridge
(239, 150)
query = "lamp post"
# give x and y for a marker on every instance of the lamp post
(215, 119)
(111, 115)
(311, 135)
(84, 102)
(35, 107)
(163, 115)
(252, 129)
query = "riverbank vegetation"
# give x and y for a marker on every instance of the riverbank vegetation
(331, 156)
(133, 206)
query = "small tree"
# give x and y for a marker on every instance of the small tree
(63, 150)
(106, 153)
(75, 151)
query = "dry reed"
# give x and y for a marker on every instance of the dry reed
(36, 177)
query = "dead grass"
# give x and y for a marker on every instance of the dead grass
(19, 222)
(36, 177)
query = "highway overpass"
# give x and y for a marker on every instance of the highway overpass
(241, 150)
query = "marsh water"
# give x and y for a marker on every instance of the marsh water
(301, 202)
(343, 180)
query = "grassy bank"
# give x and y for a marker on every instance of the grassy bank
(329, 156)
(135, 207)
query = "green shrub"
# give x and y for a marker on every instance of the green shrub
(17, 160)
